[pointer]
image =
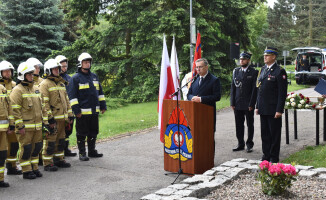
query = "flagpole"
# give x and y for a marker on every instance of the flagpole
(191, 46)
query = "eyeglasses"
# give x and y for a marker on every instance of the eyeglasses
(199, 67)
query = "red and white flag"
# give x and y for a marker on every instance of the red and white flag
(197, 55)
(166, 87)
(175, 68)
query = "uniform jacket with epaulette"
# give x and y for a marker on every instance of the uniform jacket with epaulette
(86, 94)
(272, 90)
(243, 88)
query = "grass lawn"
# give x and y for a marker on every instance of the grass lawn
(130, 118)
(311, 155)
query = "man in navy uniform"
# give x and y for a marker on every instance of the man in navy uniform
(272, 90)
(243, 100)
(206, 88)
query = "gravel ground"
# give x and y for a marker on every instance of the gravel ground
(247, 187)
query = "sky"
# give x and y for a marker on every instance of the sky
(271, 2)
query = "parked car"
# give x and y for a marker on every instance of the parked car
(313, 67)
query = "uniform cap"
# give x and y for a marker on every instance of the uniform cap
(270, 51)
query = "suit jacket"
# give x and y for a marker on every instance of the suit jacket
(243, 88)
(272, 90)
(209, 91)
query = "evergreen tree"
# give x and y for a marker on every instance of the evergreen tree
(310, 19)
(35, 27)
(279, 32)
(127, 47)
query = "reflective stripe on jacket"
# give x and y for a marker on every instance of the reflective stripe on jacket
(56, 98)
(6, 116)
(86, 94)
(28, 110)
(8, 84)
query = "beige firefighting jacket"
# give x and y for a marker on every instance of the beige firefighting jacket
(56, 98)
(37, 80)
(6, 115)
(28, 110)
(9, 84)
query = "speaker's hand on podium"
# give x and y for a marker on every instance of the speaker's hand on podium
(196, 99)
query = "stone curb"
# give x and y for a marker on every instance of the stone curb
(200, 185)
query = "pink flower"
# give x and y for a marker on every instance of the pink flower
(274, 170)
(289, 170)
(264, 164)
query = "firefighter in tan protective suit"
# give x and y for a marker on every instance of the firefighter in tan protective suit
(37, 65)
(29, 114)
(6, 73)
(57, 104)
(5, 130)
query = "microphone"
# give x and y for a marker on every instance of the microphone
(195, 77)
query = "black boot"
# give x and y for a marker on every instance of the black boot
(61, 163)
(68, 152)
(4, 184)
(37, 173)
(91, 148)
(82, 150)
(29, 175)
(51, 168)
(12, 170)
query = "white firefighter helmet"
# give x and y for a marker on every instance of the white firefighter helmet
(61, 58)
(50, 64)
(23, 69)
(4, 65)
(34, 61)
(84, 56)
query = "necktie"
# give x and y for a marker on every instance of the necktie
(200, 80)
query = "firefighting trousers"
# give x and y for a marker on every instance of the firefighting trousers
(54, 144)
(30, 145)
(68, 130)
(87, 125)
(3, 153)
(13, 147)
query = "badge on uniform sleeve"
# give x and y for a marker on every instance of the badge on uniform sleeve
(284, 77)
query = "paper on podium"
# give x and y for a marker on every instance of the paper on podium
(321, 87)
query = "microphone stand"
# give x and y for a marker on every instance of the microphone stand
(180, 171)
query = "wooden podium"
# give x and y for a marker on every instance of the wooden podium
(200, 120)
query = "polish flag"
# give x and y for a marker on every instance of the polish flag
(175, 68)
(166, 87)
(197, 55)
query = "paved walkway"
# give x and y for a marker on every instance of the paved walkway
(132, 166)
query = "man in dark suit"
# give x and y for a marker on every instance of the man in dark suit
(206, 88)
(243, 100)
(272, 90)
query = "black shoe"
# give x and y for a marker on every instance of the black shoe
(94, 154)
(62, 164)
(249, 149)
(14, 171)
(68, 153)
(29, 175)
(264, 158)
(4, 184)
(37, 173)
(83, 157)
(239, 148)
(51, 168)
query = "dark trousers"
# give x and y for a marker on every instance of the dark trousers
(271, 136)
(87, 125)
(240, 116)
